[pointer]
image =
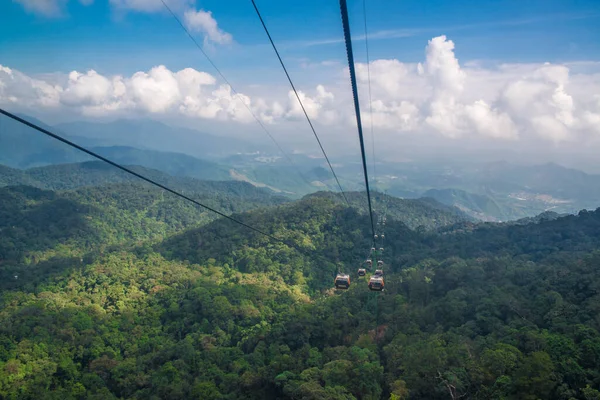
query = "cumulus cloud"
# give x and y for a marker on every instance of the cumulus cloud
(438, 96)
(158, 91)
(312, 105)
(18, 88)
(501, 103)
(203, 21)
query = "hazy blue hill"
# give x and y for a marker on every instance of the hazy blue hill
(23, 147)
(499, 190)
(149, 134)
(176, 164)
(548, 178)
(478, 206)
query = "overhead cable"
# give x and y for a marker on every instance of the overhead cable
(299, 100)
(370, 97)
(348, 40)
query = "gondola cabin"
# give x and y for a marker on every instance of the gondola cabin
(376, 283)
(373, 249)
(379, 272)
(376, 236)
(362, 272)
(369, 262)
(381, 249)
(380, 263)
(342, 281)
(383, 236)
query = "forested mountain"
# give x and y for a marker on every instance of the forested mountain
(112, 292)
(94, 173)
(34, 220)
(423, 214)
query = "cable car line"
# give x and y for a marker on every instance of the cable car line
(370, 97)
(299, 100)
(348, 40)
(235, 92)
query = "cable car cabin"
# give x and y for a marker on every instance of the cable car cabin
(376, 236)
(383, 236)
(342, 281)
(369, 262)
(381, 249)
(362, 272)
(373, 249)
(376, 283)
(380, 263)
(379, 272)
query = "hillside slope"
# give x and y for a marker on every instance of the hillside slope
(423, 213)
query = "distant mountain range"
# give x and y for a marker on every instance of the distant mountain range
(496, 191)
(154, 135)
(426, 214)
(97, 173)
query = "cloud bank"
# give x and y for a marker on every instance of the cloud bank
(507, 102)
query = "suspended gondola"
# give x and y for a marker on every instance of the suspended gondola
(376, 283)
(342, 281)
(362, 272)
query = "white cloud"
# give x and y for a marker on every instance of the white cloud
(543, 102)
(490, 122)
(150, 6)
(18, 88)
(203, 21)
(314, 106)
(47, 8)
(158, 91)
(504, 102)
(155, 91)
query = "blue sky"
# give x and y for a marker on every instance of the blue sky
(468, 72)
(97, 36)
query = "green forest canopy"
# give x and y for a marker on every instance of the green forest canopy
(114, 292)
